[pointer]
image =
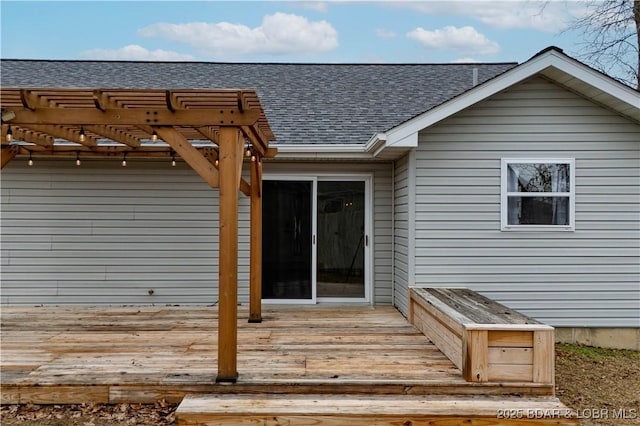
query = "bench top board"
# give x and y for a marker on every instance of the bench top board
(473, 306)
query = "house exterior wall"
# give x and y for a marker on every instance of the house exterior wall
(588, 277)
(381, 174)
(105, 234)
(402, 212)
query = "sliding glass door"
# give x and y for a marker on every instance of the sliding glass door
(341, 239)
(315, 240)
(287, 240)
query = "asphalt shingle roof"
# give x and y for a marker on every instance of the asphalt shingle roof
(304, 103)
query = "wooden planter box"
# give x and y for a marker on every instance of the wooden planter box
(487, 341)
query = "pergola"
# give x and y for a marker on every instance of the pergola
(214, 131)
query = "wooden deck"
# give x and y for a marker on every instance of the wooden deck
(142, 354)
(368, 410)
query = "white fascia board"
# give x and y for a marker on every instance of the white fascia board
(598, 80)
(409, 140)
(379, 148)
(374, 146)
(322, 151)
(377, 144)
(369, 151)
(377, 141)
(550, 59)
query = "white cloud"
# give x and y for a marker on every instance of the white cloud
(461, 40)
(383, 33)
(465, 61)
(279, 34)
(540, 15)
(133, 52)
(318, 6)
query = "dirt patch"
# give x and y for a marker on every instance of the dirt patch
(159, 414)
(602, 385)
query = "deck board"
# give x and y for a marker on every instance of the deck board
(369, 410)
(141, 354)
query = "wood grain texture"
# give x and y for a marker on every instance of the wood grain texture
(543, 356)
(191, 155)
(230, 160)
(486, 340)
(368, 410)
(476, 356)
(255, 243)
(145, 353)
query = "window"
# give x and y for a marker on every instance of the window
(538, 194)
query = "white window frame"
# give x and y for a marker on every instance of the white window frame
(504, 195)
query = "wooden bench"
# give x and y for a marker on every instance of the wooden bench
(487, 341)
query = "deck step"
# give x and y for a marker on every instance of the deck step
(356, 410)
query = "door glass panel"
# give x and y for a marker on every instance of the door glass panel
(286, 240)
(341, 239)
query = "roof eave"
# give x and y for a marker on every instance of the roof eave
(554, 65)
(373, 150)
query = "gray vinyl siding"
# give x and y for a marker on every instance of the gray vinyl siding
(383, 235)
(104, 234)
(589, 277)
(401, 234)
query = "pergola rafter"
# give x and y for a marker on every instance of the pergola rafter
(65, 132)
(28, 135)
(209, 129)
(115, 134)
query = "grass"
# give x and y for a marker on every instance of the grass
(597, 354)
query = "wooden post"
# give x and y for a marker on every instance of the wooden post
(543, 356)
(412, 320)
(475, 356)
(255, 278)
(229, 159)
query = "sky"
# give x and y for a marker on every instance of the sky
(288, 31)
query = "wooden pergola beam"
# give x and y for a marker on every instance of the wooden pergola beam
(44, 141)
(212, 155)
(100, 100)
(7, 153)
(209, 132)
(136, 116)
(240, 159)
(243, 103)
(190, 154)
(20, 134)
(255, 137)
(114, 134)
(64, 133)
(27, 99)
(245, 188)
(168, 98)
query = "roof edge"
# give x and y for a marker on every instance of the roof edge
(382, 64)
(549, 58)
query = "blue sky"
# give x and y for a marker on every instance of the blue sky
(287, 31)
